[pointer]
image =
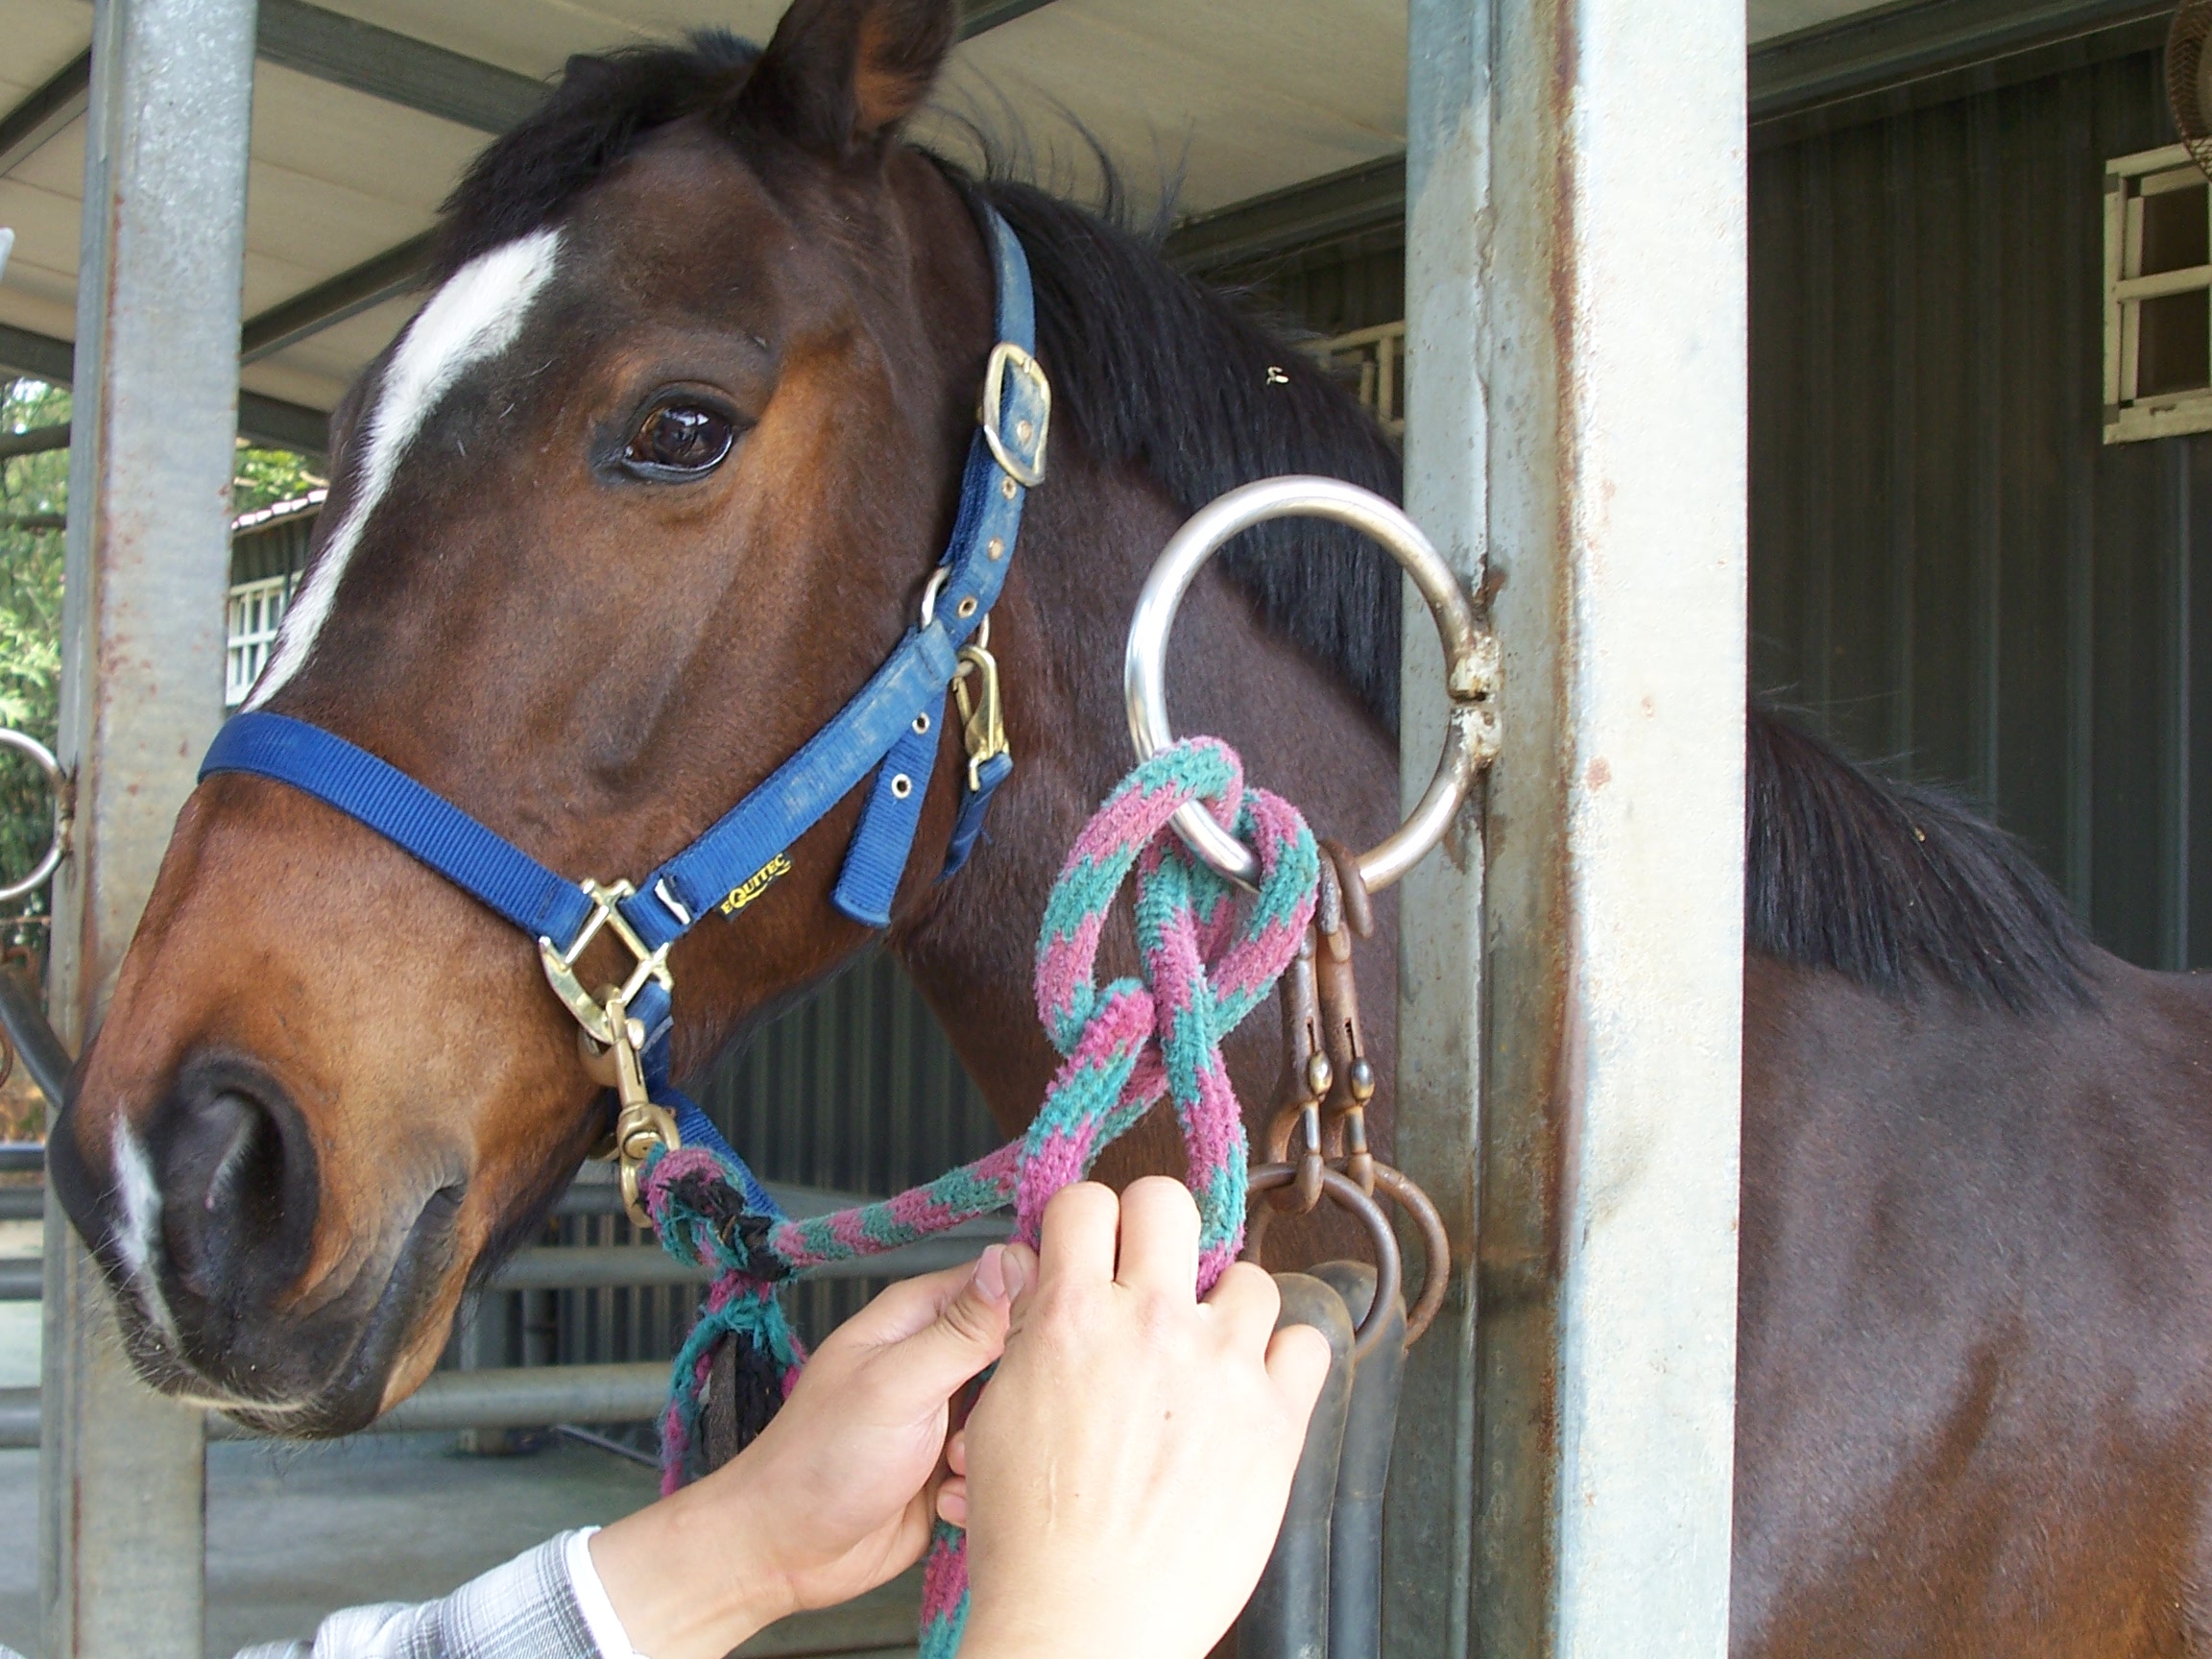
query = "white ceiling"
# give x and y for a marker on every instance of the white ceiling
(1241, 97)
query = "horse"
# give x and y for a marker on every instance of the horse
(646, 490)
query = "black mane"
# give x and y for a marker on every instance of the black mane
(1898, 887)
(1163, 373)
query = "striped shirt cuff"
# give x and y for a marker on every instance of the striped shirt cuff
(613, 1642)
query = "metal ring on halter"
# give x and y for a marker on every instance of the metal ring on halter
(1389, 1269)
(58, 846)
(1469, 657)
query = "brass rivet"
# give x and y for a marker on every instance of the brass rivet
(921, 724)
(1006, 487)
(967, 606)
(996, 547)
(902, 787)
(1024, 431)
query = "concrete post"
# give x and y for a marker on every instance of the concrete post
(1572, 995)
(150, 466)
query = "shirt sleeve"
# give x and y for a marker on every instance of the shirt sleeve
(613, 1642)
(534, 1607)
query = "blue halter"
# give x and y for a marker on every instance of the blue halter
(890, 727)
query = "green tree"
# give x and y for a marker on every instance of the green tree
(34, 502)
(265, 477)
(33, 505)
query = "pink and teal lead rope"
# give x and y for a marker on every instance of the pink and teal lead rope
(1209, 955)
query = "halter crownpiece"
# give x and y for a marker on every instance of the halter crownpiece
(889, 728)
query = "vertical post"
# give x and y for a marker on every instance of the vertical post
(150, 466)
(1430, 1505)
(1575, 434)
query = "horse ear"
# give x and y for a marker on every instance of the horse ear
(841, 72)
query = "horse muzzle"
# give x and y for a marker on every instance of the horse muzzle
(203, 1222)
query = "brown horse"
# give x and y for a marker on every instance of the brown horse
(647, 491)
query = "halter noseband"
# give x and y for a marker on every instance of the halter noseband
(889, 726)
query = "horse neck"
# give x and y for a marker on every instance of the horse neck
(1089, 540)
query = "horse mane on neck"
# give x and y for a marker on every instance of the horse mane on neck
(1899, 888)
(1181, 381)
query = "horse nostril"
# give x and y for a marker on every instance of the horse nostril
(251, 1165)
(237, 1181)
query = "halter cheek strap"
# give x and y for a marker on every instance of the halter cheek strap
(890, 727)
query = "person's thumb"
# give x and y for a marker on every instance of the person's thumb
(969, 1331)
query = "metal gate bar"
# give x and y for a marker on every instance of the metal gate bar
(1575, 433)
(150, 465)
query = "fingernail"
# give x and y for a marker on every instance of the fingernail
(1013, 1270)
(991, 1273)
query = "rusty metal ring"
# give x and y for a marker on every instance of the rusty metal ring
(1436, 1246)
(57, 780)
(1389, 1268)
(1470, 658)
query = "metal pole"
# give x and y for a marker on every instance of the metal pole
(150, 466)
(1576, 431)
(1429, 1507)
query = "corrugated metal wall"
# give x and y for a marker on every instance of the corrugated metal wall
(276, 549)
(1949, 570)
(1338, 288)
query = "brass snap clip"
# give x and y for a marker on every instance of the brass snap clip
(640, 1122)
(982, 715)
(1316, 1145)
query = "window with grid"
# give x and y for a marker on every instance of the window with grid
(2158, 296)
(257, 613)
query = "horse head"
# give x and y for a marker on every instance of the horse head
(653, 480)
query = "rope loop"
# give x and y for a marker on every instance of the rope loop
(1207, 963)
(1209, 955)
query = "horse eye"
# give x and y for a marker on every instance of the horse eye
(681, 438)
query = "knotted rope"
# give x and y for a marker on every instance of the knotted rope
(1209, 956)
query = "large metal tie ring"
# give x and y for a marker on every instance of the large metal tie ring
(1470, 660)
(57, 845)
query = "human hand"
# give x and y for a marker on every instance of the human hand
(1124, 1475)
(832, 1499)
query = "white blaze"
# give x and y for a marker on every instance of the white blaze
(475, 316)
(141, 1196)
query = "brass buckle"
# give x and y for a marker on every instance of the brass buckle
(1007, 355)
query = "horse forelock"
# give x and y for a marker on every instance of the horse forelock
(475, 316)
(602, 109)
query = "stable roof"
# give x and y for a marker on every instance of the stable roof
(1284, 118)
